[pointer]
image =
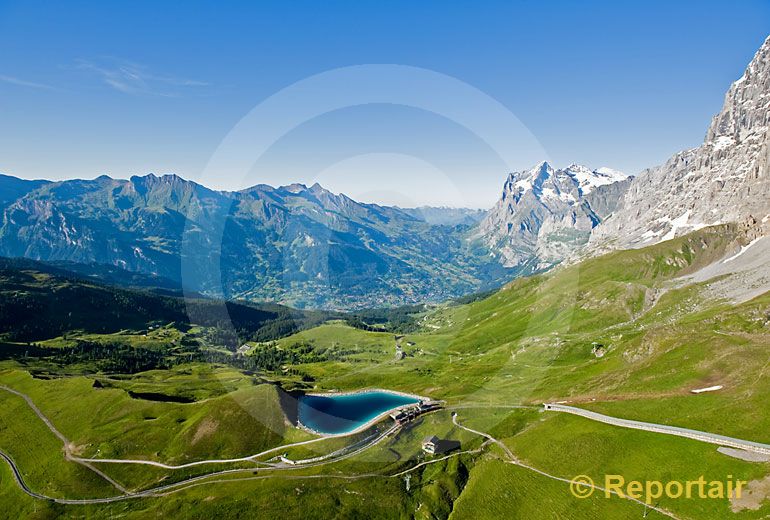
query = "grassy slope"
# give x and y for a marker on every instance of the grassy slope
(532, 341)
(528, 343)
(499, 490)
(39, 455)
(567, 446)
(107, 423)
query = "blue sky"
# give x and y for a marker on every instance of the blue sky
(124, 88)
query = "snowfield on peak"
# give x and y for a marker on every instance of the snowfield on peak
(590, 179)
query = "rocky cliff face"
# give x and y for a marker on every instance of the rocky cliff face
(726, 179)
(545, 214)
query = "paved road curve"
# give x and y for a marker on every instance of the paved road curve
(711, 438)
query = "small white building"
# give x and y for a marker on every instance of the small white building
(429, 444)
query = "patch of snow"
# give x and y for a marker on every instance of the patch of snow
(743, 250)
(676, 224)
(723, 141)
(707, 389)
(523, 184)
(550, 193)
(589, 179)
(611, 172)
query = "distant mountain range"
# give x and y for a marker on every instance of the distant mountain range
(298, 245)
(303, 246)
(444, 216)
(310, 248)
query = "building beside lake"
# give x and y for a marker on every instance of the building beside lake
(408, 413)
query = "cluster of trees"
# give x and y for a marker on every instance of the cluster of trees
(112, 357)
(474, 297)
(304, 376)
(401, 320)
(271, 357)
(120, 357)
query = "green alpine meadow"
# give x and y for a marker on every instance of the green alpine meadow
(335, 261)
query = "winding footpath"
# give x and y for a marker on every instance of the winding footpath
(502, 446)
(67, 445)
(336, 456)
(250, 458)
(516, 462)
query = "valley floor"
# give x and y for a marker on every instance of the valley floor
(482, 451)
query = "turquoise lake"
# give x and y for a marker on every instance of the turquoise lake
(335, 414)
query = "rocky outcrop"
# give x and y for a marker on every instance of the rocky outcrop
(726, 179)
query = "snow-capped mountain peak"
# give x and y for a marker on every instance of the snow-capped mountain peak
(531, 179)
(545, 213)
(548, 182)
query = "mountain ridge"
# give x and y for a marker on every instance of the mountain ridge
(725, 179)
(544, 214)
(304, 246)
